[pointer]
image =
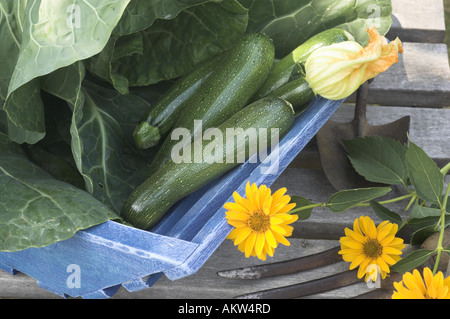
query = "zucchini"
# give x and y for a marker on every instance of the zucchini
(152, 199)
(282, 70)
(242, 70)
(164, 113)
(297, 92)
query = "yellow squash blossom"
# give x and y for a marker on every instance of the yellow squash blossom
(261, 220)
(336, 71)
(370, 247)
(413, 286)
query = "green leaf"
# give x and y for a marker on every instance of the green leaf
(419, 236)
(11, 19)
(53, 153)
(102, 143)
(170, 48)
(51, 40)
(101, 129)
(411, 261)
(139, 15)
(422, 211)
(419, 223)
(378, 159)
(302, 202)
(290, 23)
(39, 37)
(384, 213)
(424, 174)
(25, 114)
(37, 210)
(346, 199)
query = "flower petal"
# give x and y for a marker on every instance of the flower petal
(249, 244)
(270, 239)
(337, 70)
(260, 241)
(236, 215)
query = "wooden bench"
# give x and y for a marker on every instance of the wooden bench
(419, 86)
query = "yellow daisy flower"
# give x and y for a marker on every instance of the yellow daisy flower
(371, 248)
(261, 221)
(413, 286)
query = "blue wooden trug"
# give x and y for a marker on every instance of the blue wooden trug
(97, 261)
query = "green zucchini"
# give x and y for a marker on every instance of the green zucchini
(297, 92)
(282, 70)
(165, 111)
(152, 199)
(228, 89)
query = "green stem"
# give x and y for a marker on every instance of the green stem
(389, 201)
(439, 247)
(306, 207)
(445, 169)
(411, 201)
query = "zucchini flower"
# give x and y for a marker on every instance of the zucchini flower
(336, 71)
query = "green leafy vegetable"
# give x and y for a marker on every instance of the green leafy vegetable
(59, 33)
(102, 143)
(47, 209)
(290, 23)
(169, 48)
(54, 34)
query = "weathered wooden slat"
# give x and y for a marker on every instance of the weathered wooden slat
(428, 129)
(420, 78)
(418, 21)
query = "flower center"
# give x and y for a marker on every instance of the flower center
(372, 248)
(259, 221)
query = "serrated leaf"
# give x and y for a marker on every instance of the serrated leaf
(37, 210)
(385, 213)
(378, 159)
(424, 174)
(411, 261)
(301, 202)
(346, 199)
(290, 23)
